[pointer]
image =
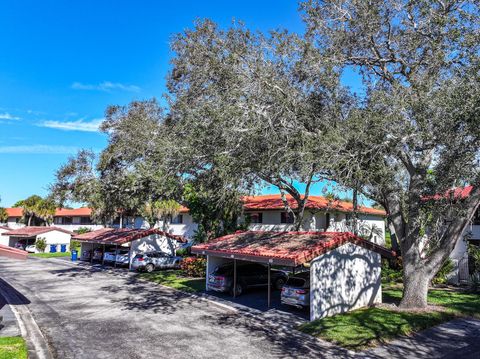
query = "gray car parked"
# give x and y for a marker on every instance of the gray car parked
(296, 291)
(151, 261)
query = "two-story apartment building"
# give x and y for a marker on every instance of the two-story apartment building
(265, 213)
(268, 213)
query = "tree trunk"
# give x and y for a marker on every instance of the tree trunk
(29, 221)
(415, 289)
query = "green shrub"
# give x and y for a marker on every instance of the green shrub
(74, 245)
(184, 252)
(391, 275)
(41, 244)
(442, 275)
(83, 230)
(194, 266)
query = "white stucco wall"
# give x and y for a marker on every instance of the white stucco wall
(12, 223)
(186, 229)
(154, 242)
(56, 237)
(343, 279)
(4, 239)
(369, 225)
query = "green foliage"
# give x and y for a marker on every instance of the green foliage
(41, 244)
(391, 275)
(363, 328)
(51, 255)
(13, 348)
(162, 210)
(215, 212)
(474, 257)
(475, 282)
(37, 210)
(194, 266)
(175, 279)
(184, 252)
(83, 230)
(442, 275)
(74, 245)
(3, 215)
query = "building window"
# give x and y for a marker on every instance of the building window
(177, 219)
(286, 217)
(255, 217)
(85, 220)
(57, 220)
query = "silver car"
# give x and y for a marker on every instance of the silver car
(123, 257)
(151, 261)
(296, 291)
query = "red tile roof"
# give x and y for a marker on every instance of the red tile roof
(455, 193)
(14, 212)
(121, 236)
(274, 201)
(33, 231)
(5, 227)
(283, 248)
(75, 212)
(13, 253)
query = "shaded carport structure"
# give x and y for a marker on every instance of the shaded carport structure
(291, 249)
(118, 237)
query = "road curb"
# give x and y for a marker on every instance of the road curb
(37, 345)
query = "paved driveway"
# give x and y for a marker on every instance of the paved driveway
(88, 313)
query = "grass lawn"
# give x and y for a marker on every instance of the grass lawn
(13, 348)
(363, 328)
(51, 255)
(175, 279)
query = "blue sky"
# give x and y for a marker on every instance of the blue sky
(63, 62)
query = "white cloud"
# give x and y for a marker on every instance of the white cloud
(106, 86)
(7, 116)
(39, 149)
(79, 125)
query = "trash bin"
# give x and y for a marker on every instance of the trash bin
(74, 255)
(53, 248)
(63, 248)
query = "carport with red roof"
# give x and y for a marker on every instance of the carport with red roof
(122, 237)
(292, 249)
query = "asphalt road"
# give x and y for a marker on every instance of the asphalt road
(89, 313)
(86, 312)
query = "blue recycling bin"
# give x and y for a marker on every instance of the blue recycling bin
(74, 255)
(63, 248)
(53, 248)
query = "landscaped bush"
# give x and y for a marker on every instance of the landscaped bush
(391, 275)
(442, 275)
(41, 244)
(184, 252)
(74, 245)
(194, 266)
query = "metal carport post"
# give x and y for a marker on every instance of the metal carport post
(269, 282)
(103, 256)
(116, 251)
(234, 278)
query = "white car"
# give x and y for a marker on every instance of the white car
(123, 257)
(109, 256)
(31, 248)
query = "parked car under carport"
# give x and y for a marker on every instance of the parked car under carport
(123, 244)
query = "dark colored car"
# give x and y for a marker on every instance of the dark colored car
(248, 275)
(296, 291)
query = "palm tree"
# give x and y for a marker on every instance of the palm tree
(30, 207)
(3, 215)
(155, 211)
